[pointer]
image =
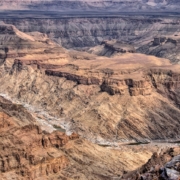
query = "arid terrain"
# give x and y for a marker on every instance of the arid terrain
(88, 96)
(60, 109)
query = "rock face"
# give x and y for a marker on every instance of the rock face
(98, 97)
(70, 33)
(129, 5)
(111, 48)
(162, 166)
(26, 151)
(166, 47)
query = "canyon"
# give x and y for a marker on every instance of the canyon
(83, 88)
(103, 103)
(88, 97)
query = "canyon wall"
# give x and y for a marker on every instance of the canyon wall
(88, 32)
(163, 46)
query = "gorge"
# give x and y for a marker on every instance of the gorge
(89, 95)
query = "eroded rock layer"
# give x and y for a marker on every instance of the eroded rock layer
(71, 33)
(26, 151)
(162, 165)
(166, 47)
(110, 48)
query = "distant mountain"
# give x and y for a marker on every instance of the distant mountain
(77, 5)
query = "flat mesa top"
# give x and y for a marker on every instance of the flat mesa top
(126, 66)
(125, 61)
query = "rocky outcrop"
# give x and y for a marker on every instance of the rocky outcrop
(159, 40)
(27, 152)
(166, 47)
(118, 46)
(161, 166)
(111, 48)
(110, 86)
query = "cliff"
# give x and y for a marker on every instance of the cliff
(166, 47)
(27, 152)
(162, 165)
(69, 32)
